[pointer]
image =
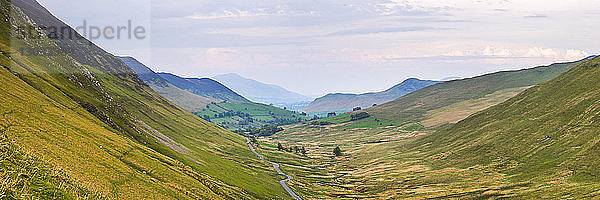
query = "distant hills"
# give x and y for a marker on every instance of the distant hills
(261, 92)
(346, 102)
(213, 101)
(204, 87)
(452, 101)
(185, 99)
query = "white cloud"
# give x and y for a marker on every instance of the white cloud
(541, 52)
(573, 54)
(492, 51)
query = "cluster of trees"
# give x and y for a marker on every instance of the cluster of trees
(320, 123)
(359, 116)
(296, 149)
(357, 109)
(227, 114)
(266, 130)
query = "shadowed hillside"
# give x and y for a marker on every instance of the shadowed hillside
(187, 100)
(204, 87)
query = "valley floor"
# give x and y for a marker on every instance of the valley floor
(378, 163)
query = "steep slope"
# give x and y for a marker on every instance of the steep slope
(548, 132)
(187, 100)
(71, 104)
(204, 87)
(346, 102)
(452, 101)
(260, 92)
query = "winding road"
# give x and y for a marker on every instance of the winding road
(276, 166)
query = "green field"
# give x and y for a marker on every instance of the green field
(247, 116)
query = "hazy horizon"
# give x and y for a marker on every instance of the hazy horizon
(319, 47)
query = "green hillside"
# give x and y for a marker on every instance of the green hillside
(548, 130)
(466, 96)
(82, 112)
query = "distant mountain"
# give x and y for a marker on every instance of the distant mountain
(450, 78)
(187, 100)
(204, 87)
(452, 101)
(261, 92)
(346, 102)
(234, 113)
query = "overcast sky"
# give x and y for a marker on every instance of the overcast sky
(319, 46)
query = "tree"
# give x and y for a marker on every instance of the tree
(279, 146)
(303, 151)
(337, 151)
(357, 109)
(296, 149)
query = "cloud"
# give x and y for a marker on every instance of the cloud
(541, 52)
(492, 51)
(573, 54)
(379, 30)
(536, 16)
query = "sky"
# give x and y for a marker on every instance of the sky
(315, 47)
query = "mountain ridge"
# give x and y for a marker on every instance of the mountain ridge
(346, 102)
(463, 94)
(185, 99)
(205, 87)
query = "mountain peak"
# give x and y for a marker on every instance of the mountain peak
(258, 91)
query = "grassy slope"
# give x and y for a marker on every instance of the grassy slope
(550, 129)
(540, 143)
(186, 100)
(415, 106)
(92, 108)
